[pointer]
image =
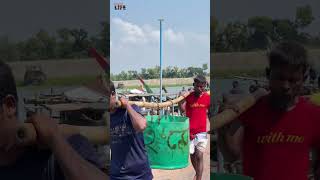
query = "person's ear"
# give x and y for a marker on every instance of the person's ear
(268, 72)
(9, 105)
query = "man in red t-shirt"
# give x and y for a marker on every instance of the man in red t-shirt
(196, 106)
(282, 127)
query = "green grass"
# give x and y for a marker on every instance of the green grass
(68, 81)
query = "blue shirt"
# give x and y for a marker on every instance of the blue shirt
(129, 160)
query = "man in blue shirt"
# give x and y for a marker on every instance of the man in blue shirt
(129, 160)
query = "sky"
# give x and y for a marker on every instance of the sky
(135, 34)
(230, 10)
(21, 19)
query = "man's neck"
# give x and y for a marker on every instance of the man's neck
(290, 107)
(200, 94)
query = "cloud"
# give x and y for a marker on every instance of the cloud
(130, 33)
(174, 37)
(137, 46)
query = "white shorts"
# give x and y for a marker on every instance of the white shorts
(200, 142)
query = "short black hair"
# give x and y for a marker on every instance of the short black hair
(7, 82)
(289, 53)
(200, 79)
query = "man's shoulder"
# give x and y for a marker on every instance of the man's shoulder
(206, 94)
(191, 95)
(260, 105)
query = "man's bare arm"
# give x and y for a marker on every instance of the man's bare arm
(182, 106)
(73, 166)
(139, 122)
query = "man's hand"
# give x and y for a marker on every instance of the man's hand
(46, 128)
(124, 102)
(233, 107)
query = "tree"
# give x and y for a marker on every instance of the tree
(80, 42)
(104, 44)
(46, 44)
(235, 36)
(144, 74)
(260, 29)
(213, 31)
(65, 44)
(31, 49)
(304, 16)
(132, 75)
(193, 71)
(8, 50)
(205, 68)
(284, 29)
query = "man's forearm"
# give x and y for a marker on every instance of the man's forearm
(139, 122)
(74, 167)
(182, 106)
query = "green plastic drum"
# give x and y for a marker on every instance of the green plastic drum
(167, 141)
(221, 176)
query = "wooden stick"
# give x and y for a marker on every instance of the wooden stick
(228, 115)
(152, 105)
(26, 134)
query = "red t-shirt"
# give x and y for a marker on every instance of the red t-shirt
(196, 110)
(277, 144)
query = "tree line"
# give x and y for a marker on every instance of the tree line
(260, 32)
(154, 73)
(64, 44)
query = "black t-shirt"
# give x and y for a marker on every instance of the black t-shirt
(34, 164)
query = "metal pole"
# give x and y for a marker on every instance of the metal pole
(160, 59)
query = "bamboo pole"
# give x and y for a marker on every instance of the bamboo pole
(26, 133)
(152, 105)
(228, 115)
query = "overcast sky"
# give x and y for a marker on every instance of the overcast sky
(21, 19)
(229, 10)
